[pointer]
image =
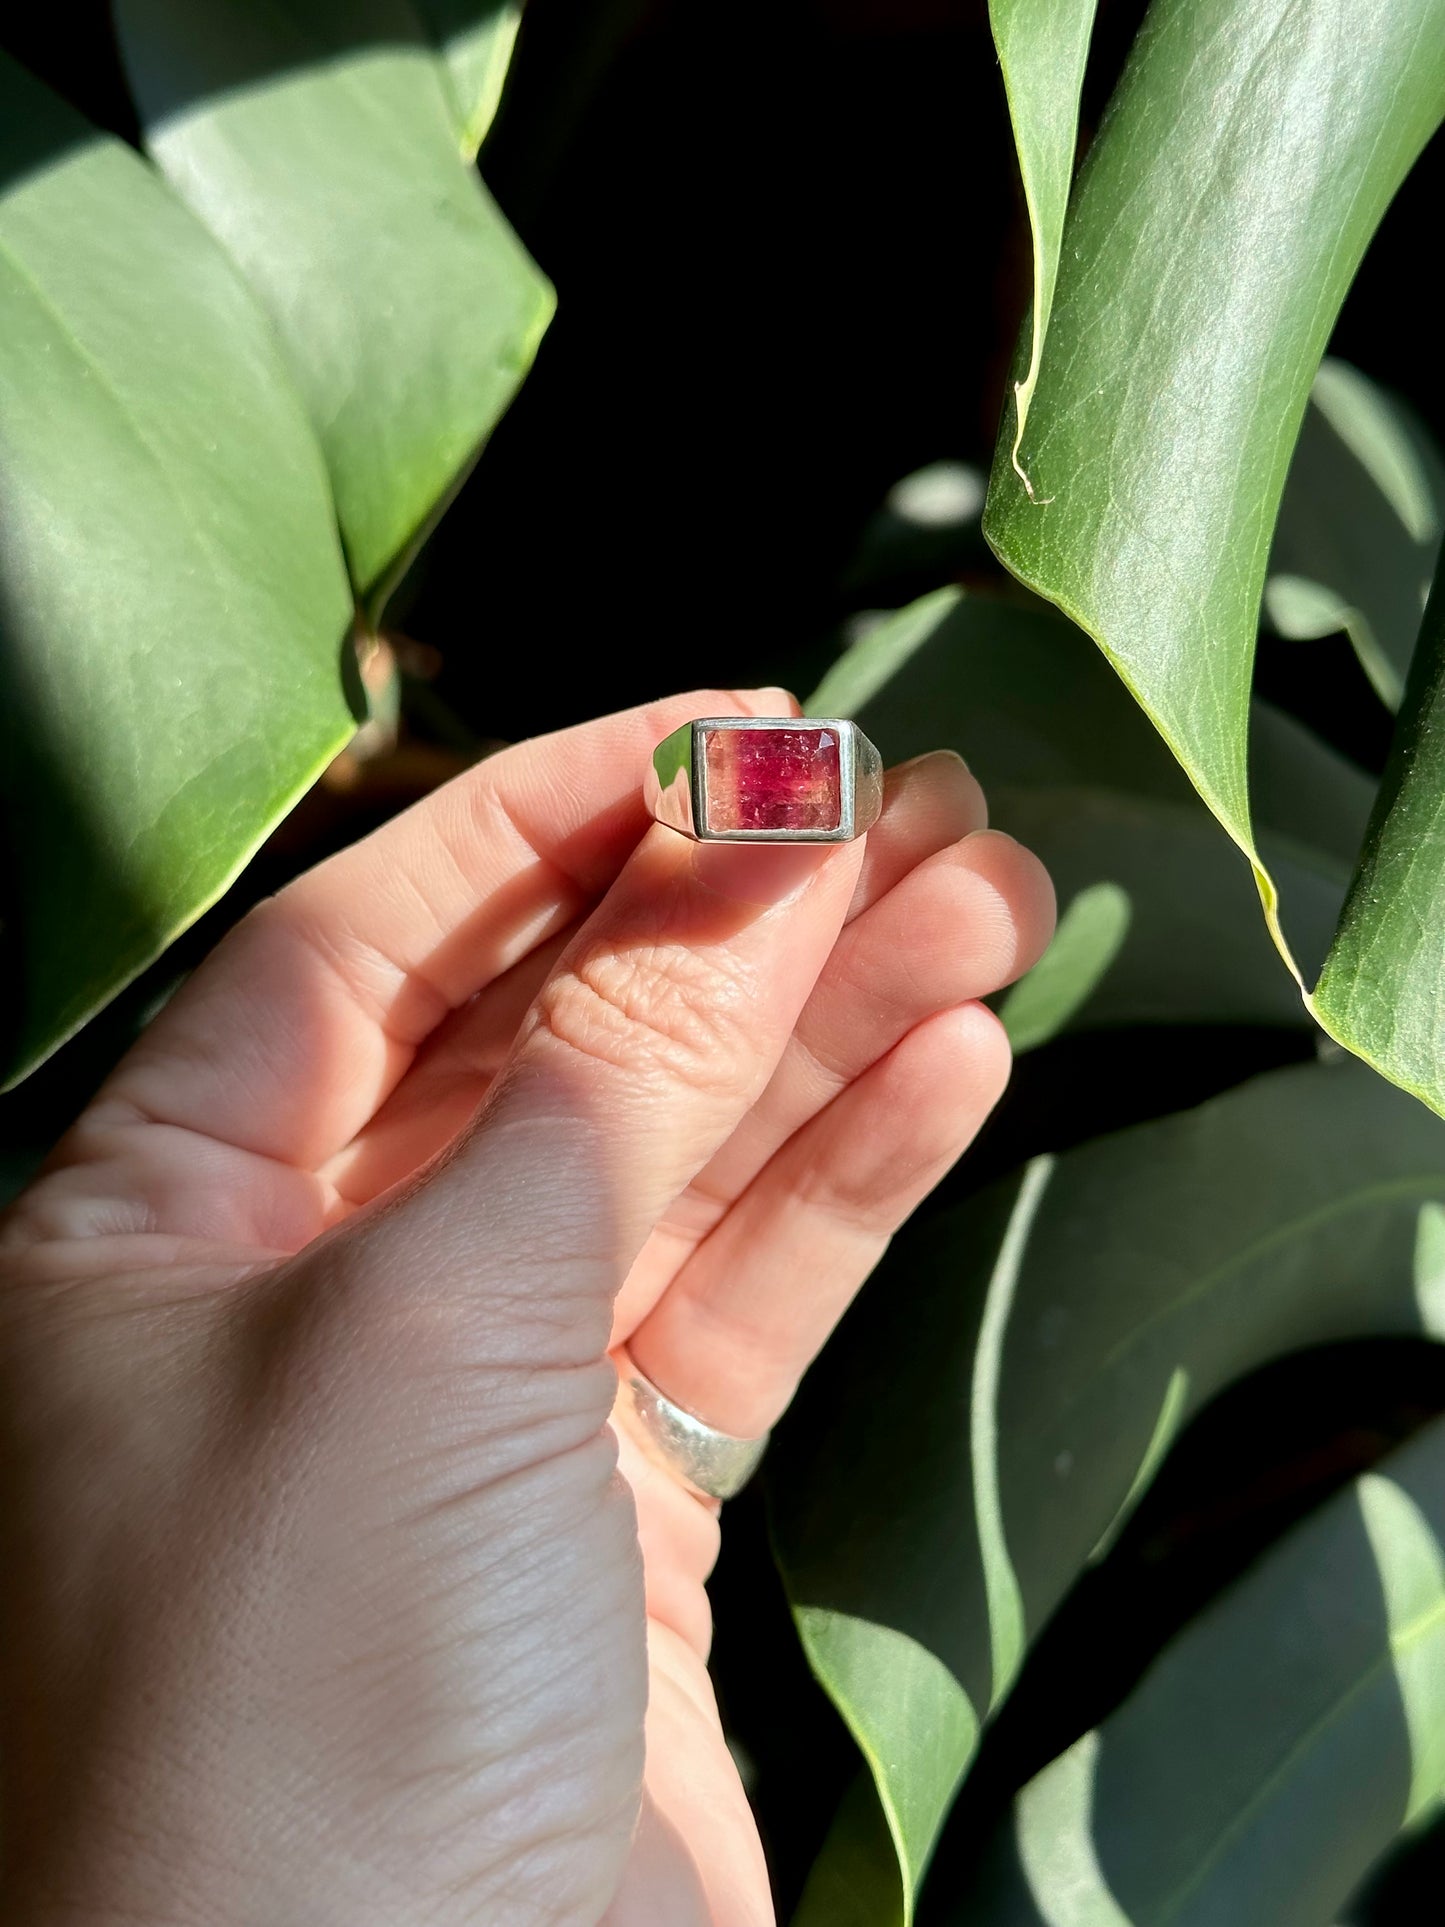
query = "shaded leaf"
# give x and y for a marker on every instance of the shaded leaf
(1192, 948)
(173, 605)
(1359, 526)
(1027, 1359)
(1247, 156)
(1274, 1751)
(317, 143)
(928, 528)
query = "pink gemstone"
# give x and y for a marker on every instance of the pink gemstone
(773, 779)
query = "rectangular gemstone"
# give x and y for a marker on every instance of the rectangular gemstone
(773, 778)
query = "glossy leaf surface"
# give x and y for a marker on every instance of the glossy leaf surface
(317, 142)
(1245, 160)
(173, 604)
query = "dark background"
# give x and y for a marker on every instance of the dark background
(790, 255)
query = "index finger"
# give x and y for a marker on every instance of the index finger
(302, 1021)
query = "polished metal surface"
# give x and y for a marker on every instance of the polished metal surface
(713, 1464)
(675, 785)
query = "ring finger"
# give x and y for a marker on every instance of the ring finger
(752, 1307)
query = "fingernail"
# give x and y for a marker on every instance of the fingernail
(763, 874)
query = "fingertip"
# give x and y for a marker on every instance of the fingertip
(965, 1052)
(771, 700)
(1025, 892)
(939, 787)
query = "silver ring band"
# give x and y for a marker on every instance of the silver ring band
(712, 1464)
(766, 779)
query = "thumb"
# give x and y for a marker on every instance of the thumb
(655, 1033)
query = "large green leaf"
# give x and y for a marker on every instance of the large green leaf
(1245, 160)
(173, 605)
(1359, 526)
(1073, 768)
(317, 141)
(1273, 1752)
(1005, 1390)
(1383, 985)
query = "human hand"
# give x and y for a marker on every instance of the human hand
(322, 1597)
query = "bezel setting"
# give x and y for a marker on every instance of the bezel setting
(677, 780)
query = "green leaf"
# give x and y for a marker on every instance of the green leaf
(1090, 934)
(317, 143)
(173, 605)
(1042, 48)
(1273, 1752)
(1248, 155)
(1359, 526)
(1191, 948)
(1072, 767)
(1003, 1392)
(476, 38)
(1382, 990)
(870, 664)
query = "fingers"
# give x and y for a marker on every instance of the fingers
(657, 1031)
(928, 804)
(751, 1309)
(961, 924)
(303, 1020)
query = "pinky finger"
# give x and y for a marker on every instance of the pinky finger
(750, 1310)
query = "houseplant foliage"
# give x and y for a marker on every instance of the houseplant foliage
(245, 364)
(196, 401)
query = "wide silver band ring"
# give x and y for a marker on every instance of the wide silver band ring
(766, 779)
(712, 1464)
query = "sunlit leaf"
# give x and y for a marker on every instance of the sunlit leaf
(1247, 157)
(1042, 48)
(317, 142)
(476, 38)
(173, 604)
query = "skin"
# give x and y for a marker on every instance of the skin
(329, 1592)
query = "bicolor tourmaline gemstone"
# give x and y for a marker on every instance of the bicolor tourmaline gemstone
(773, 778)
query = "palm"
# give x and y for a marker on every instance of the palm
(342, 1039)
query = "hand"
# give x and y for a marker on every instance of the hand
(322, 1597)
